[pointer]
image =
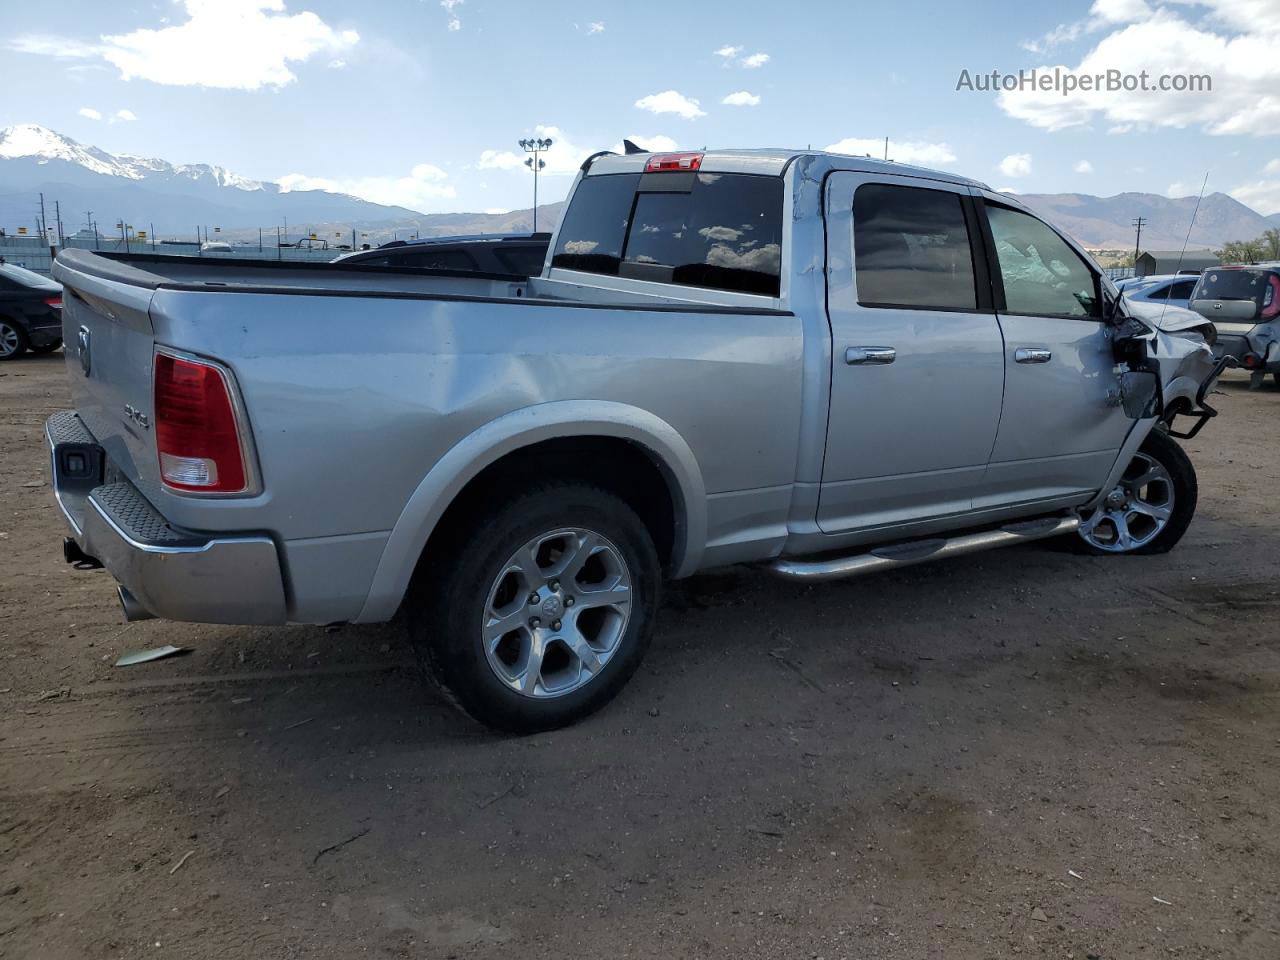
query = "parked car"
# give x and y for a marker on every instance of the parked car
(1244, 304)
(827, 365)
(30, 312)
(512, 254)
(1172, 289)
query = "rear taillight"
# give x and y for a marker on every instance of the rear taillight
(673, 162)
(197, 433)
(55, 302)
(1271, 298)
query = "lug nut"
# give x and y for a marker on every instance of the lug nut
(555, 586)
(533, 599)
(535, 622)
(555, 624)
(568, 601)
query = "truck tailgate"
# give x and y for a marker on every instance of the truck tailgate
(108, 335)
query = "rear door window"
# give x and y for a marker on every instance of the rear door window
(722, 231)
(911, 248)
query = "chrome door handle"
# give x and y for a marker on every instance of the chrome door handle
(859, 355)
(1032, 355)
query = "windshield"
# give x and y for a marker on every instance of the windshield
(28, 278)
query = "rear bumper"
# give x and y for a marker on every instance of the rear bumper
(173, 573)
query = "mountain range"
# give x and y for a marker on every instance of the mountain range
(175, 199)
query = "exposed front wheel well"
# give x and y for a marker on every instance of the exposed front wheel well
(621, 467)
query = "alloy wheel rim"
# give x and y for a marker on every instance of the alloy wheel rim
(8, 340)
(1135, 512)
(556, 612)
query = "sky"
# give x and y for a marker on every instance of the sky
(421, 102)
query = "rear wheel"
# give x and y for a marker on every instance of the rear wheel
(535, 614)
(47, 347)
(13, 339)
(1151, 507)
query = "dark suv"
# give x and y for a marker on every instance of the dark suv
(510, 254)
(1244, 304)
(30, 312)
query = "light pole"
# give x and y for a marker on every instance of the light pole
(535, 163)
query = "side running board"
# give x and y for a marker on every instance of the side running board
(895, 555)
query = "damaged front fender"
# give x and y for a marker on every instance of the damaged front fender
(1167, 371)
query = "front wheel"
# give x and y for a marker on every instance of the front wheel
(534, 614)
(1151, 507)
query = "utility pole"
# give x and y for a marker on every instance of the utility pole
(44, 224)
(535, 163)
(1138, 222)
(886, 148)
(57, 214)
(152, 228)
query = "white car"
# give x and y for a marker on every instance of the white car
(1173, 289)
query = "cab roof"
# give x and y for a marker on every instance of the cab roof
(773, 162)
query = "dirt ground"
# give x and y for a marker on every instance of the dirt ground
(1026, 752)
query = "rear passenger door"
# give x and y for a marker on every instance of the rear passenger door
(917, 361)
(1063, 424)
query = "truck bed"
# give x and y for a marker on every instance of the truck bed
(160, 271)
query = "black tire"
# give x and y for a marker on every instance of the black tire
(1167, 452)
(451, 593)
(13, 339)
(46, 347)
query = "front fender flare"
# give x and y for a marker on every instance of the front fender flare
(522, 428)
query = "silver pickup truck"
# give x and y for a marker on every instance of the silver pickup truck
(824, 364)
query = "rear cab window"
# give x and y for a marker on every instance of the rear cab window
(720, 231)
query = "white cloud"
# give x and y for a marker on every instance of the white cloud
(563, 159)
(337, 64)
(669, 101)
(728, 52)
(1016, 165)
(1261, 195)
(595, 27)
(494, 211)
(455, 22)
(226, 44)
(741, 99)
(1006, 189)
(1176, 190)
(1234, 42)
(424, 184)
(123, 116)
(89, 113)
(902, 151)
(1273, 166)
(1083, 166)
(755, 60)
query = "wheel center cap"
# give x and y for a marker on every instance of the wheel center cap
(1116, 498)
(552, 607)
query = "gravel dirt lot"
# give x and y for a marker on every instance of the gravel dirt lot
(1026, 752)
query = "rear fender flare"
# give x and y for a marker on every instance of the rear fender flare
(522, 428)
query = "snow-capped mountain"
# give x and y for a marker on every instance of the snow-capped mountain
(29, 140)
(172, 197)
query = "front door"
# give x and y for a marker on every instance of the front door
(1063, 424)
(917, 368)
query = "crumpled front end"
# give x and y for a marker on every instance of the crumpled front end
(1169, 370)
